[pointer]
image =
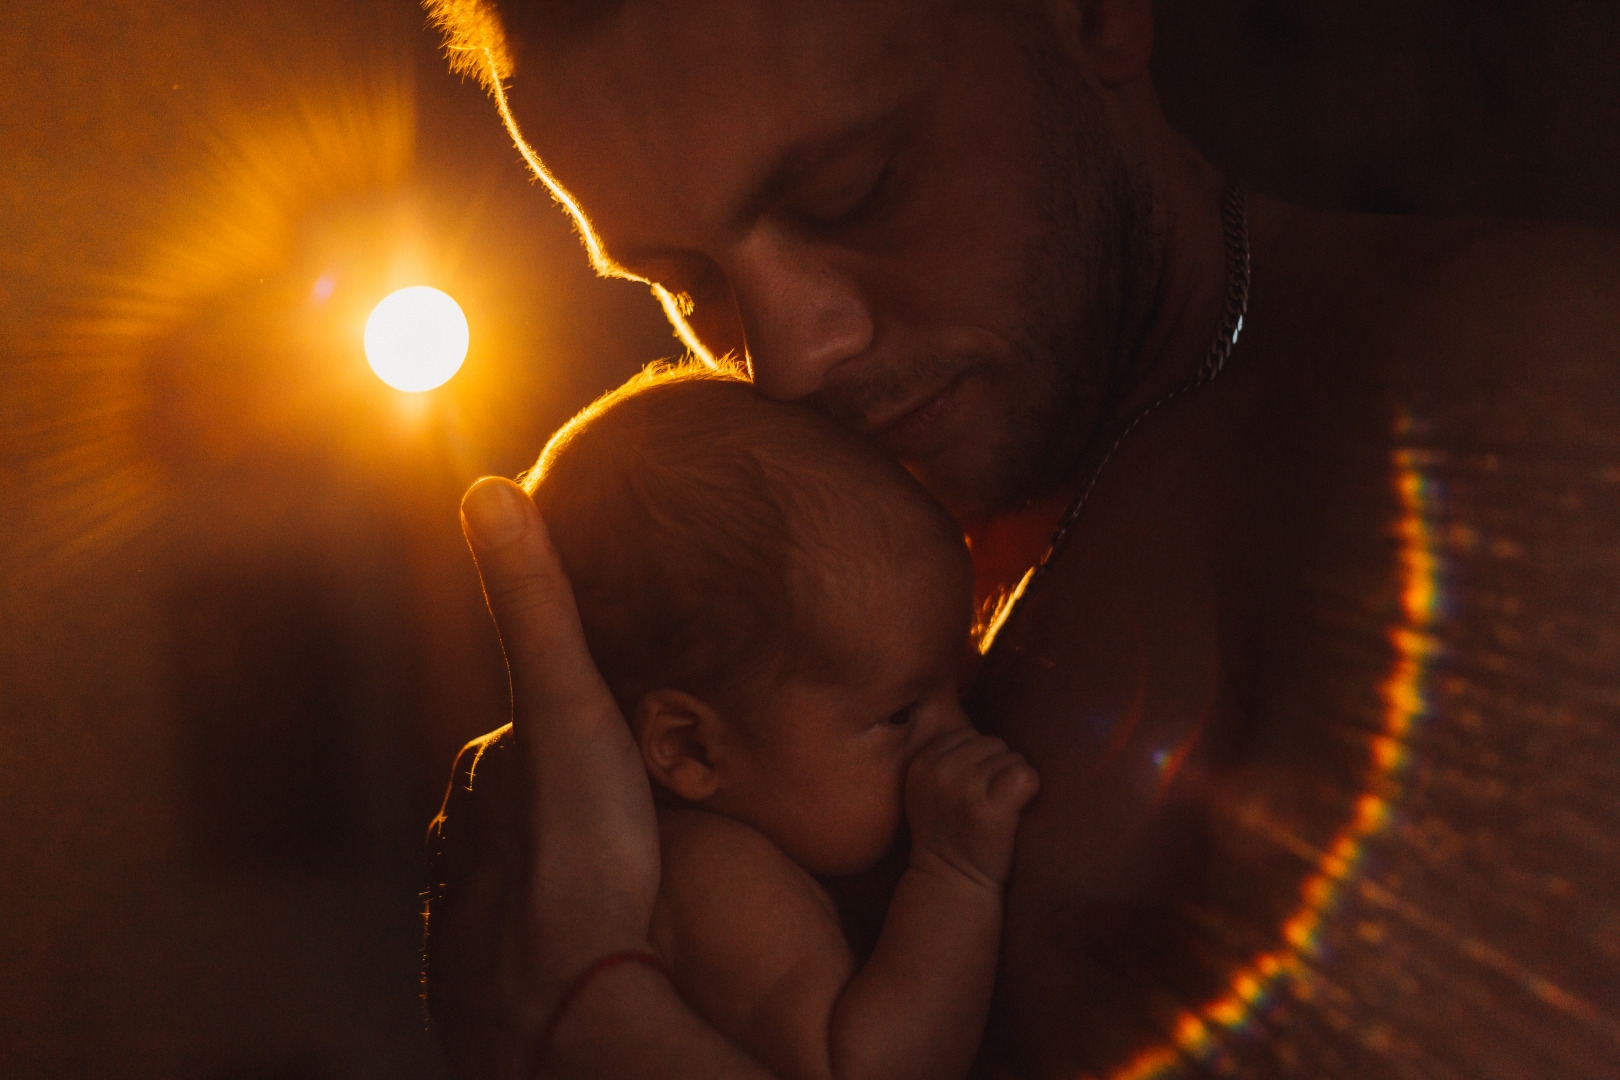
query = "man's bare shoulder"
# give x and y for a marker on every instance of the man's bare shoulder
(1441, 280)
(1512, 312)
(1525, 282)
(1433, 312)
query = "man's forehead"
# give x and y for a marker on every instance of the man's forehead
(675, 109)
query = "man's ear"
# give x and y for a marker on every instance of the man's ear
(677, 733)
(1113, 38)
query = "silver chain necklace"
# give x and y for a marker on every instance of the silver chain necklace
(1235, 230)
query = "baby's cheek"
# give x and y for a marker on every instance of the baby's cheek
(871, 829)
(892, 815)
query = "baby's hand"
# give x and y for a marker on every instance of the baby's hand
(964, 792)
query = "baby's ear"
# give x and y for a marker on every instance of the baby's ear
(676, 732)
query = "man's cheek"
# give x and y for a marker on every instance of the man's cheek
(949, 275)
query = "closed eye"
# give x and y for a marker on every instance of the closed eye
(902, 717)
(858, 204)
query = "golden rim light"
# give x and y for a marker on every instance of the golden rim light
(475, 44)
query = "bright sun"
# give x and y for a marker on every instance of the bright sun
(416, 339)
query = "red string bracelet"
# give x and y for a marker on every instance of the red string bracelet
(577, 987)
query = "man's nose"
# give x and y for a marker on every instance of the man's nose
(802, 312)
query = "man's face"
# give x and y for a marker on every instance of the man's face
(894, 208)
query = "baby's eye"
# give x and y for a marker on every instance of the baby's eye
(901, 718)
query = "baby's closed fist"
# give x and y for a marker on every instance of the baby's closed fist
(964, 792)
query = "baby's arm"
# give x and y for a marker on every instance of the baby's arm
(757, 948)
(918, 1006)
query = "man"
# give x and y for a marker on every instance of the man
(1296, 816)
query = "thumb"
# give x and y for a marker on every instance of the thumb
(554, 678)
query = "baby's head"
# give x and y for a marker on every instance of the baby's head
(778, 606)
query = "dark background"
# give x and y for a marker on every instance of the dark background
(240, 638)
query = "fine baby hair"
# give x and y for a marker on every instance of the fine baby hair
(704, 526)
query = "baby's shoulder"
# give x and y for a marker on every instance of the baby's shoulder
(710, 858)
(746, 931)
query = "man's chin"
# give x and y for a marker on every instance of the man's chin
(977, 487)
(968, 494)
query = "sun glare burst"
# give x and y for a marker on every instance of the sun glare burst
(416, 339)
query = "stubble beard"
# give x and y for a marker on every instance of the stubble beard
(1088, 289)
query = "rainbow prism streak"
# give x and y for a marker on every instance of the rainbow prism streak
(1198, 1034)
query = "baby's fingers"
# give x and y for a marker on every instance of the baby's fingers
(1012, 783)
(966, 757)
(944, 747)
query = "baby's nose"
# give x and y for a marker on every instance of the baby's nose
(939, 721)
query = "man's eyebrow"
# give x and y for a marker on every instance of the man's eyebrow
(804, 158)
(790, 167)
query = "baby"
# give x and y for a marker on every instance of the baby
(781, 611)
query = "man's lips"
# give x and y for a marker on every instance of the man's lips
(918, 427)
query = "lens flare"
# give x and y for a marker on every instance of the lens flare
(416, 339)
